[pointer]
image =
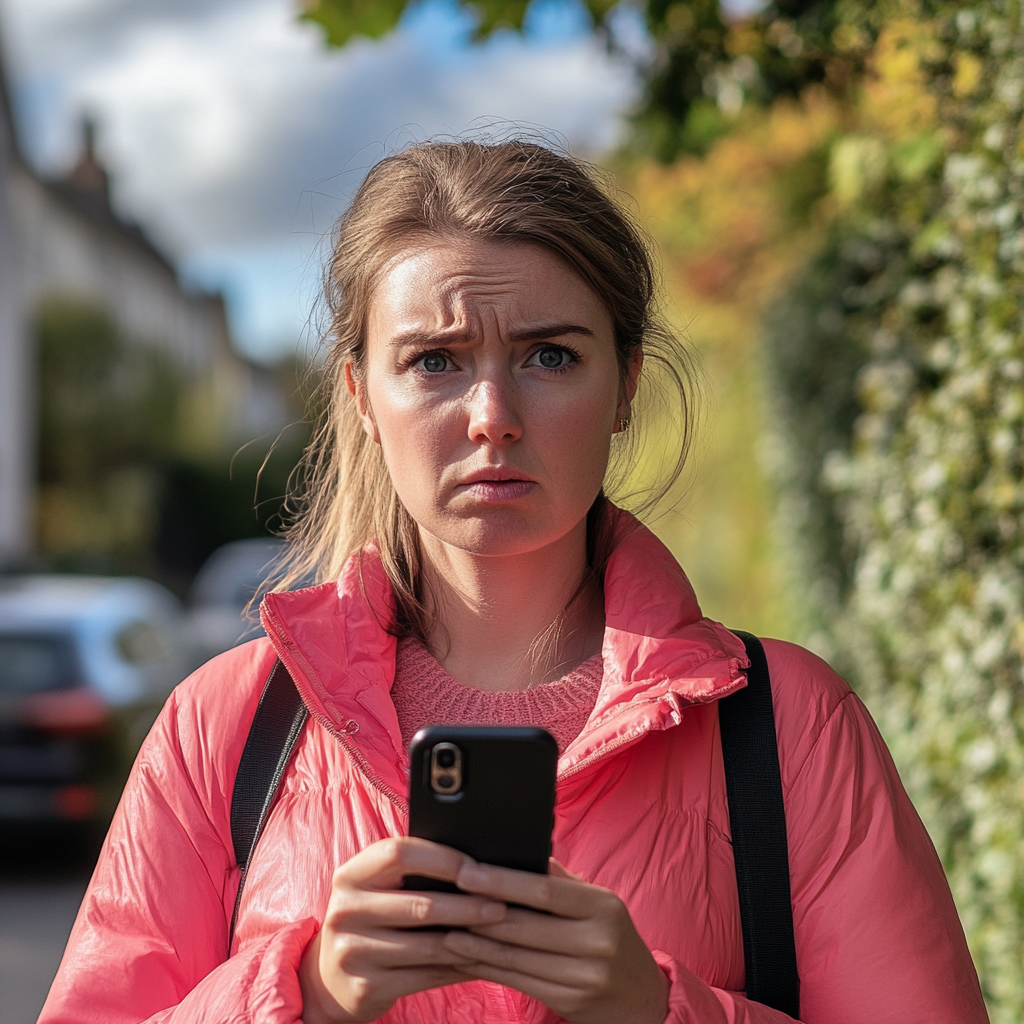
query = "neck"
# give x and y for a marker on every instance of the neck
(492, 609)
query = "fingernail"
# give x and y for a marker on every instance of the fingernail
(492, 911)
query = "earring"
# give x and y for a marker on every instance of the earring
(623, 424)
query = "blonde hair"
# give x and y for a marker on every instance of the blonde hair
(513, 191)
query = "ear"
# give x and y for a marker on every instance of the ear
(358, 391)
(629, 385)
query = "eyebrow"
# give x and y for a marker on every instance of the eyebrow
(538, 333)
(549, 331)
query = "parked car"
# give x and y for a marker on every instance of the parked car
(222, 610)
(85, 665)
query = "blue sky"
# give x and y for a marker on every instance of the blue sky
(235, 136)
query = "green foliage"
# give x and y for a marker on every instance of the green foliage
(128, 481)
(205, 503)
(898, 364)
(704, 68)
(101, 404)
(677, 114)
(343, 20)
(106, 416)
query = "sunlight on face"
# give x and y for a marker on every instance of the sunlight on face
(492, 384)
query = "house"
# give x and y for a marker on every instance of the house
(64, 238)
(15, 372)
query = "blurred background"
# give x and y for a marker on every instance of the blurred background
(836, 191)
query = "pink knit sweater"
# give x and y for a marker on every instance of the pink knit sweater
(424, 694)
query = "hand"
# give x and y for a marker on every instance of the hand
(583, 958)
(364, 957)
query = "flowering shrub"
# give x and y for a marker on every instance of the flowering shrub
(897, 362)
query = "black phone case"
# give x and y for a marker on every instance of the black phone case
(505, 812)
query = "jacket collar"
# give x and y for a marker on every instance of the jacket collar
(660, 654)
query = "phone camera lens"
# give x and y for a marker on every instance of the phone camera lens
(446, 770)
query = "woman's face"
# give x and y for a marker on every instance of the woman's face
(492, 385)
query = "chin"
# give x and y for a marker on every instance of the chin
(499, 533)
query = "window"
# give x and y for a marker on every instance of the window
(34, 663)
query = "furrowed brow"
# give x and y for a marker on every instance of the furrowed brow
(542, 332)
(425, 338)
(539, 333)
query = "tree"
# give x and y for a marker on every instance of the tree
(107, 417)
(703, 68)
(124, 483)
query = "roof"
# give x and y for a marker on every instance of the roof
(65, 192)
(8, 136)
(77, 190)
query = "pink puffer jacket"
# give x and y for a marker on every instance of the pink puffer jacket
(641, 810)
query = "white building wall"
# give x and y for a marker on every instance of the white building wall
(49, 245)
(65, 251)
(16, 418)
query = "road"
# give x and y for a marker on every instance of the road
(39, 897)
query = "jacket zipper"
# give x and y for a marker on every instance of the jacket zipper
(347, 745)
(364, 766)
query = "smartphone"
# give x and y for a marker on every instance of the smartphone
(488, 791)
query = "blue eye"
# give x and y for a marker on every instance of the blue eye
(434, 362)
(552, 358)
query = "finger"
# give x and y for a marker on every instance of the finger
(406, 982)
(384, 864)
(359, 954)
(562, 896)
(570, 936)
(575, 972)
(363, 910)
(551, 994)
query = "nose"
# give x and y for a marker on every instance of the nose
(493, 413)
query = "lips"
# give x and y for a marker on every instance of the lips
(495, 475)
(497, 485)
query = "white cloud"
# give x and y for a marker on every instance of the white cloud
(236, 136)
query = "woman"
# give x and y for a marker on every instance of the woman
(492, 310)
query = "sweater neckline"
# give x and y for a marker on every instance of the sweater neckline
(425, 693)
(659, 654)
(584, 673)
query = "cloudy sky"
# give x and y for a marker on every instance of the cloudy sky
(235, 137)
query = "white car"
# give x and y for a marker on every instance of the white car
(222, 610)
(85, 665)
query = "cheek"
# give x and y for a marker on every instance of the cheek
(414, 437)
(579, 432)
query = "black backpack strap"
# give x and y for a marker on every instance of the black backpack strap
(758, 823)
(276, 727)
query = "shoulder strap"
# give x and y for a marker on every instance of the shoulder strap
(276, 726)
(758, 823)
